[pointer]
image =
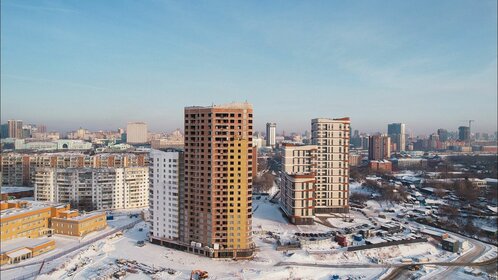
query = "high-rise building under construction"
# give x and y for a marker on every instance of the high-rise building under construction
(217, 205)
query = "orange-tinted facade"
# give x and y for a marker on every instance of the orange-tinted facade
(218, 179)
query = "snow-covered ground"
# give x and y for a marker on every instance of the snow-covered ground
(63, 243)
(100, 258)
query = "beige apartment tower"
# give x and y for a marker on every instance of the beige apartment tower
(15, 128)
(332, 173)
(297, 182)
(379, 147)
(136, 133)
(217, 202)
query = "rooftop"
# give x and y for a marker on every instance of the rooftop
(86, 216)
(14, 189)
(330, 120)
(23, 242)
(29, 206)
(233, 105)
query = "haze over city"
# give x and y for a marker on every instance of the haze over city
(68, 64)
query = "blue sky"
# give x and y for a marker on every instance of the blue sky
(98, 64)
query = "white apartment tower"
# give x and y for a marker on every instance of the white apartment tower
(166, 167)
(136, 133)
(332, 172)
(271, 134)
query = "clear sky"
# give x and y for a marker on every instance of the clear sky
(98, 64)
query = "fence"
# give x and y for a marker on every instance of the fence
(386, 244)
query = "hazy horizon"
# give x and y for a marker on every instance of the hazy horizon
(427, 64)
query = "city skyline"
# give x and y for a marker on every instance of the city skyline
(279, 131)
(427, 68)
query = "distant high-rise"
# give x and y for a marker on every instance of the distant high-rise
(443, 134)
(464, 133)
(40, 128)
(4, 131)
(397, 133)
(15, 129)
(136, 133)
(271, 134)
(332, 179)
(379, 147)
(434, 142)
(218, 180)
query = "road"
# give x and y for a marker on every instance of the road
(402, 272)
(387, 265)
(477, 251)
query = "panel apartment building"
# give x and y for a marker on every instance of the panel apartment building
(94, 188)
(18, 169)
(215, 214)
(166, 188)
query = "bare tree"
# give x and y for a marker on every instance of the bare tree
(263, 183)
(360, 198)
(466, 190)
(262, 164)
(448, 210)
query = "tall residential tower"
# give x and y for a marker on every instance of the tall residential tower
(271, 134)
(379, 147)
(15, 128)
(332, 171)
(218, 180)
(397, 133)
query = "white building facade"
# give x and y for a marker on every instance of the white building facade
(166, 167)
(271, 134)
(94, 188)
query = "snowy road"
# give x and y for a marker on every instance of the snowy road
(478, 249)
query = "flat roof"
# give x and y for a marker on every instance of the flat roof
(31, 206)
(19, 253)
(81, 217)
(233, 105)
(330, 119)
(22, 242)
(14, 189)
